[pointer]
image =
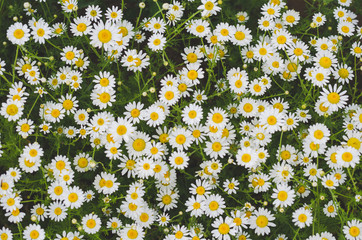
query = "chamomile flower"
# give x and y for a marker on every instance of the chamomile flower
(347, 157)
(343, 73)
(81, 26)
(319, 19)
(283, 195)
(74, 197)
(18, 33)
(223, 228)
(131, 232)
(356, 49)
(103, 98)
(242, 17)
(180, 138)
(273, 119)
(104, 35)
(156, 42)
(169, 95)
(230, 186)
(154, 116)
(334, 97)
(114, 14)
(40, 211)
(25, 127)
(41, 32)
(330, 209)
(345, 28)
(91, 223)
(196, 206)
(217, 117)
(265, 23)
(208, 8)
(5, 233)
(302, 217)
(247, 157)
(179, 159)
(214, 205)
(167, 199)
(192, 114)
(353, 229)
(34, 231)
(93, 13)
(12, 110)
(261, 221)
(291, 17)
(157, 25)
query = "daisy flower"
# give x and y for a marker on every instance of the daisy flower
(180, 138)
(216, 148)
(223, 228)
(353, 229)
(283, 195)
(93, 13)
(291, 17)
(57, 211)
(154, 116)
(208, 8)
(334, 97)
(81, 26)
(179, 159)
(156, 42)
(242, 17)
(214, 205)
(91, 223)
(196, 206)
(41, 32)
(25, 127)
(261, 221)
(18, 33)
(131, 232)
(169, 95)
(114, 14)
(104, 35)
(167, 199)
(347, 157)
(34, 231)
(302, 217)
(12, 110)
(230, 186)
(330, 209)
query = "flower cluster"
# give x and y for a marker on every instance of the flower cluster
(182, 124)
